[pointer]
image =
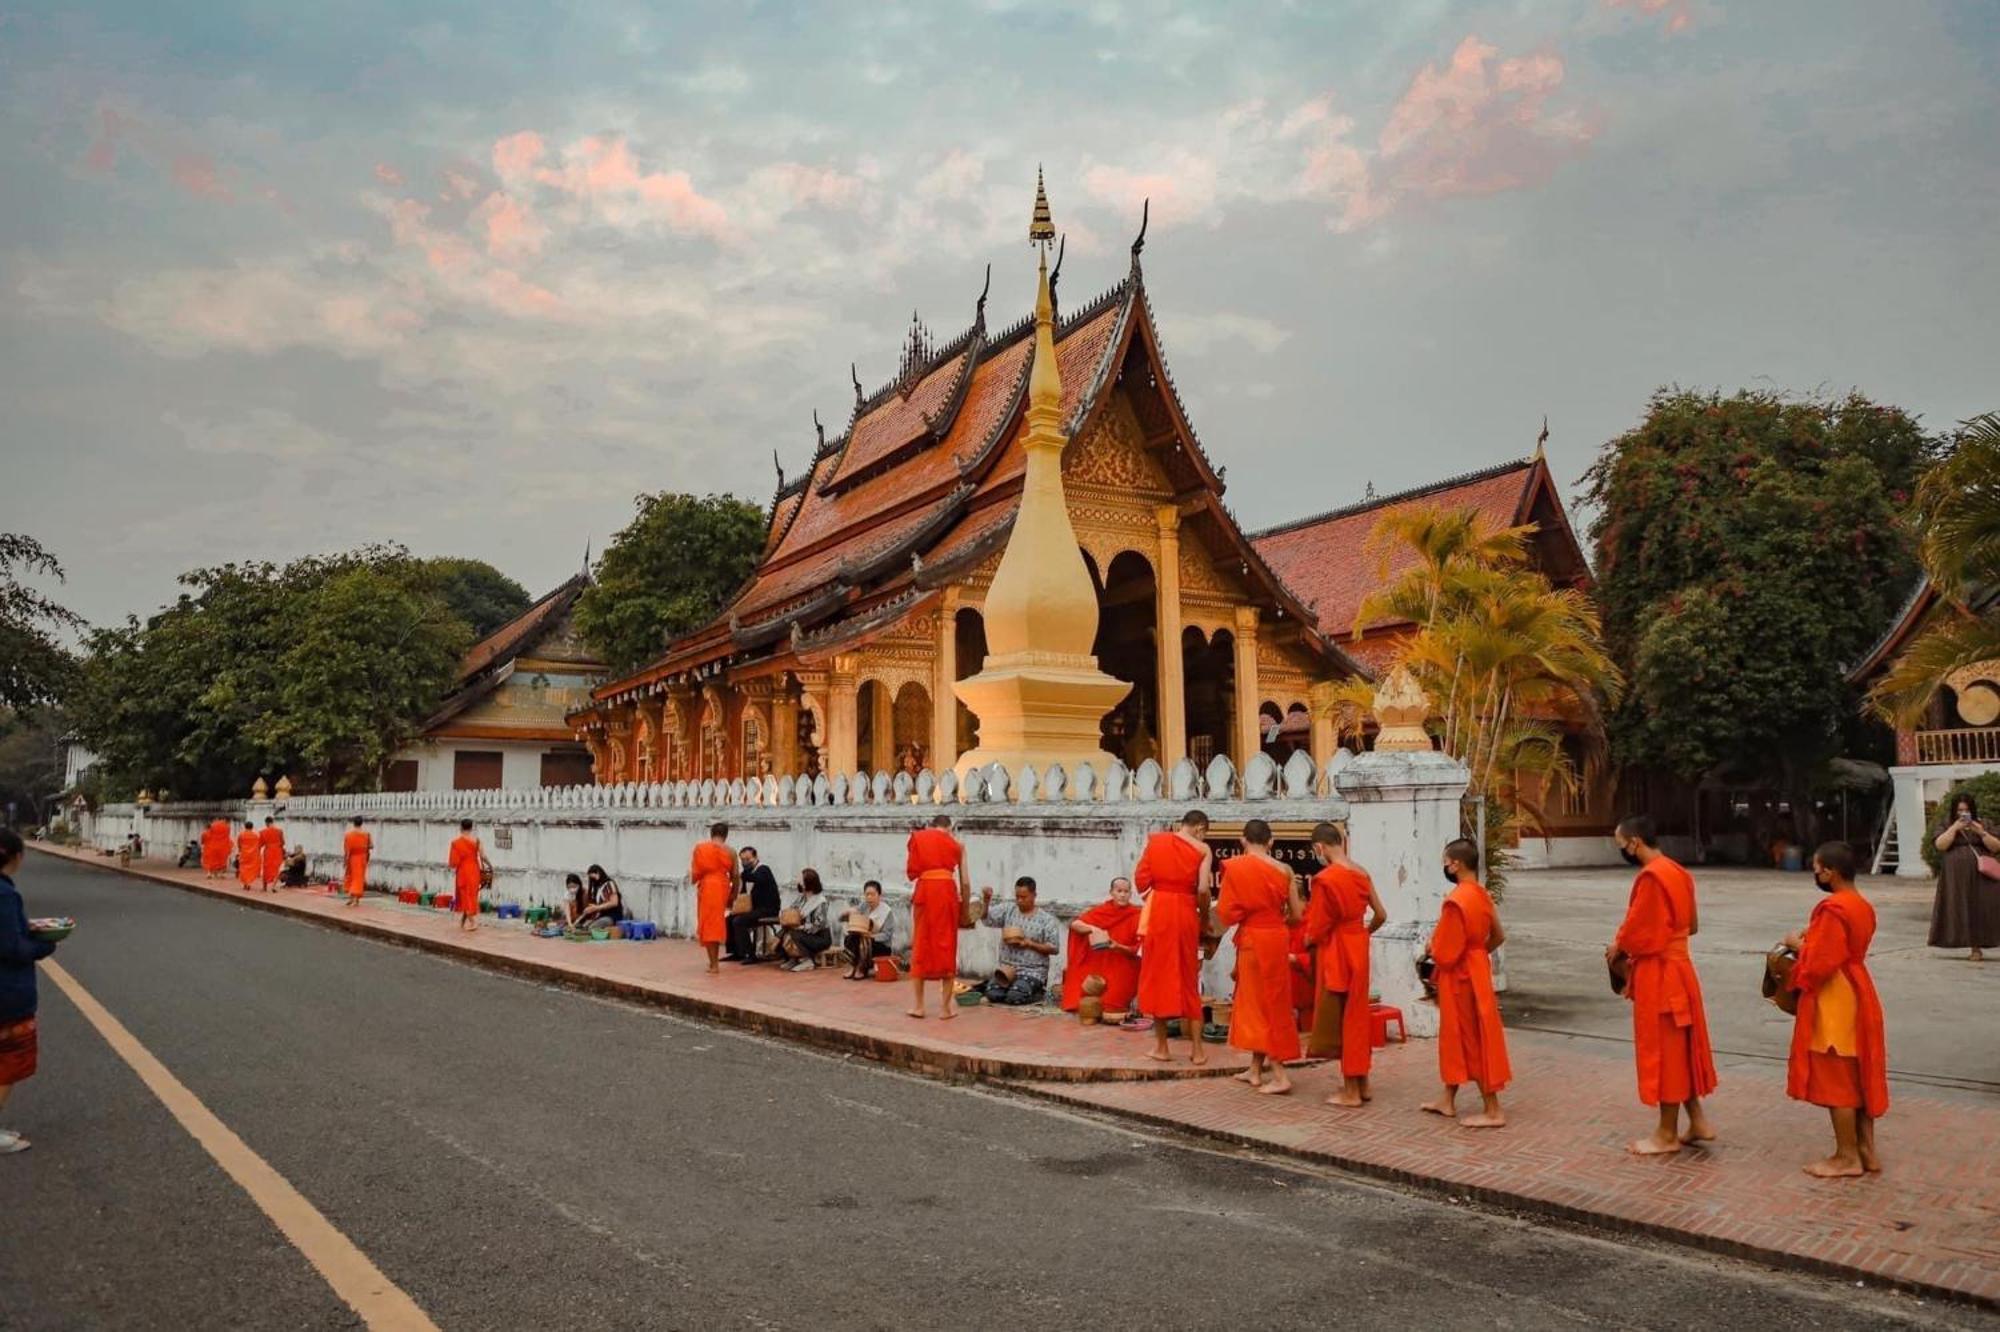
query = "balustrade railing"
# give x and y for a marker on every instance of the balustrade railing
(1969, 745)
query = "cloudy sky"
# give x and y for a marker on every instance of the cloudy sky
(278, 278)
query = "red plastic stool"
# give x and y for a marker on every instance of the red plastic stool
(1379, 1018)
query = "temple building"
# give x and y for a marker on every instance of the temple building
(502, 724)
(845, 650)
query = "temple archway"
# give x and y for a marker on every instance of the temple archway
(1208, 667)
(1127, 648)
(874, 728)
(912, 714)
(969, 635)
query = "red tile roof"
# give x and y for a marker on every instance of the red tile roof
(1323, 558)
(519, 634)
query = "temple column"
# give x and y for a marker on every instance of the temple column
(784, 730)
(882, 727)
(1249, 739)
(842, 718)
(1325, 738)
(654, 710)
(1167, 619)
(679, 713)
(944, 670)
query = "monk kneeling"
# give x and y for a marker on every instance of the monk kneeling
(1839, 1058)
(1472, 1047)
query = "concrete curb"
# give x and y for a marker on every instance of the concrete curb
(946, 1065)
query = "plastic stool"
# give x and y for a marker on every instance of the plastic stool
(507, 911)
(642, 930)
(1379, 1018)
(408, 895)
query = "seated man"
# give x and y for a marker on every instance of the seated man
(803, 933)
(868, 931)
(1029, 937)
(1104, 941)
(762, 887)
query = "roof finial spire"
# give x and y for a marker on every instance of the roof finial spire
(1041, 228)
(854, 373)
(780, 468)
(819, 430)
(1145, 216)
(1542, 439)
(586, 557)
(979, 312)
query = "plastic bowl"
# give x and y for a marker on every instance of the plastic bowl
(52, 929)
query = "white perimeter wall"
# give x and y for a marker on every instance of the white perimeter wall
(520, 762)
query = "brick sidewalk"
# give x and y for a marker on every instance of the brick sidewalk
(1930, 1223)
(815, 1008)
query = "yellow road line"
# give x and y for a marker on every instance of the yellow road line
(357, 1281)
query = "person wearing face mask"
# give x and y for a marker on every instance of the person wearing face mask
(1839, 1058)
(1472, 1046)
(1669, 1027)
(1966, 910)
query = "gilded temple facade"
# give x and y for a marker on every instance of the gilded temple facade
(842, 652)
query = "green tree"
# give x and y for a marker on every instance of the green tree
(477, 592)
(31, 763)
(1748, 548)
(35, 666)
(666, 572)
(320, 669)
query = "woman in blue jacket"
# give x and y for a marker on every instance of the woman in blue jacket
(19, 951)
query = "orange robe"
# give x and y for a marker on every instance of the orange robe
(1299, 954)
(1839, 1056)
(355, 848)
(271, 845)
(1170, 937)
(710, 867)
(248, 857)
(215, 847)
(932, 863)
(1669, 1028)
(1336, 924)
(1120, 970)
(1472, 1046)
(463, 858)
(1253, 899)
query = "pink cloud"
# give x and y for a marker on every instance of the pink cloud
(462, 186)
(512, 294)
(1680, 13)
(512, 229)
(516, 155)
(198, 175)
(602, 171)
(388, 175)
(1183, 187)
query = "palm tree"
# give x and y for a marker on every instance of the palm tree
(1958, 519)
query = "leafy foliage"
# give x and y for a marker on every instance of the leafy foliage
(31, 762)
(1958, 518)
(1505, 658)
(668, 571)
(320, 669)
(1748, 549)
(1985, 792)
(477, 592)
(35, 666)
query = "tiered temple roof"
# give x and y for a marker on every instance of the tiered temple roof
(541, 633)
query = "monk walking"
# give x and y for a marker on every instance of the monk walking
(1343, 912)
(1260, 897)
(355, 849)
(1472, 1047)
(271, 854)
(935, 864)
(467, 861)
(1669, 1027)
(1104, 941)
(1839, 1057)
(1176, 872)
(713, 871)
(215, 841)
(249, 856)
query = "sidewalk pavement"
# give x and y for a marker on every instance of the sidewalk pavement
(1930, 1223)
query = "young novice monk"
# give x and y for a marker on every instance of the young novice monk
(1471, 1045)
(467, 860)
(1176, 871)
(1343, 912)
(1669, 1028)
(215, 849)
(249, 856)
(271, 855)
(1260, 897)
(1839, 1058)
(1104, 941)
(355, 848)
(713, 870)
(935, 864)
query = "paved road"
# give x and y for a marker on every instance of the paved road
(519, 1156)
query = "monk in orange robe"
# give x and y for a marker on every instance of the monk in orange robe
(1343, 912)
(1299, 956)
(215, 849)
(1104, 941)
(1839, 1058)
(1176, 872)
(1669, 1028)
(249, 856)
(467, 862)
(935, 865)
(1472, 1047)
(1260, 897)
(714, 872)
(355, 849)
(271, 853)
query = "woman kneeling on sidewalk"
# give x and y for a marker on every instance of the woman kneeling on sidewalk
(802, 929)
(868, 931)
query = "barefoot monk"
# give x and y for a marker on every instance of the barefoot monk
(1839, 1059)
(1260, 897)
(1669, 1028)
(935, 865)
(1472, 1047)
(714, 872)
(1343, 912)
(1176, 871)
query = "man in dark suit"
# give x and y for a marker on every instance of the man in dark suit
(765, 900)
